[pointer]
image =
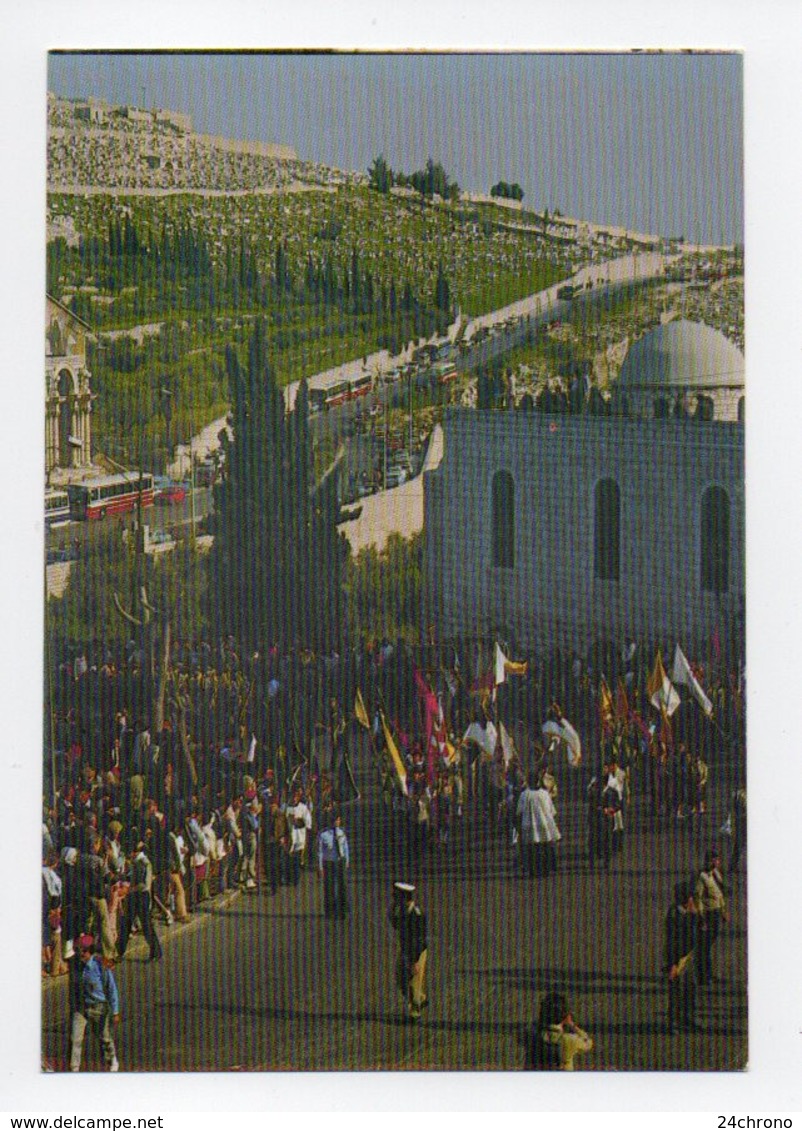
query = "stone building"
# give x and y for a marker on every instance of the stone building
(68, 395)
(568, 531)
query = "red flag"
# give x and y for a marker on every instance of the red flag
(641, 726)
(435, 728)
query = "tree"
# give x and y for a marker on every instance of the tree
(380, 175)
(278, 556)
(442, 293)
(434, 180)
(504, 191)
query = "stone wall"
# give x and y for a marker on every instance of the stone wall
(551, 597)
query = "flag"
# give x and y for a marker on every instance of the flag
(640, 725)
(435, 727)
(507, 745)
(395, 757)
(681, 673)
(661, 691)
(621, 704)
(360, 711)
(606, 713)
(252, 749)
(485, 737)
(504, 667)
(567, 737)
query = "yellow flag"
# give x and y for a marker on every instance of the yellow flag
(661, 691)
(360, 711)
(605, 705)
(397, 760)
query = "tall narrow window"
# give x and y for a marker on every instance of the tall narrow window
(503, 520)
(607, 531)
(715, 540)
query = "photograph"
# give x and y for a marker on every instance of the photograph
(394, 659)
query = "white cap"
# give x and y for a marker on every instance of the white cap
(408, 888)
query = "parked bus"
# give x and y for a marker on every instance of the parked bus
(57, 507)
(108, 494)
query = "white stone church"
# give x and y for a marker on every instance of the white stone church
(561, 531)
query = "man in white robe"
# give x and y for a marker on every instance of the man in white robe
(537, 827)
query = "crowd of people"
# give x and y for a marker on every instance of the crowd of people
(143, 827)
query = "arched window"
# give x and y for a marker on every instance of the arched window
(715, 540)
(503, 520)
(741, 409)
(607, 531)
(705, 408)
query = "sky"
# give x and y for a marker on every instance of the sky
(650, 142)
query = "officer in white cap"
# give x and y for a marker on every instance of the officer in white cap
(409, 922)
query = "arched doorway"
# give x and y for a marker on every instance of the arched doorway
(66, 390)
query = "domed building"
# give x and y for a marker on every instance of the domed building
(558, 530)
(682, 368)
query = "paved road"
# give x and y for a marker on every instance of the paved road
(266, 983)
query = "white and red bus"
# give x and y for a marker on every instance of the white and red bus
(445, 371)
(360, 386)
(333, 391)
(57, 507)
(109, 494)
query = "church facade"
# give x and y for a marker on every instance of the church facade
(68, 395)
(555, 530)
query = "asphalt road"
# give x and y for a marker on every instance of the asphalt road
(265, 983)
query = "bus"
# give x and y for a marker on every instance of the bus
(445, 371)
(360, 386)
(108, 494)
(57, 507)
(335, 391)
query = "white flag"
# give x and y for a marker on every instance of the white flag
(485, 737)
(252, 748)
(565, 734)
(681, 673)
(507, 744)
(500, 664)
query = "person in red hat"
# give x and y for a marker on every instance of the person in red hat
(94, 1002)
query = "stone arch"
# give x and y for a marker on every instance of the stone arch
(705, 407)
(662, 408)
(503, 520)
(607, 531)
(715, 541)
(66, 389)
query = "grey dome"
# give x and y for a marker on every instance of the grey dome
(683, 354)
